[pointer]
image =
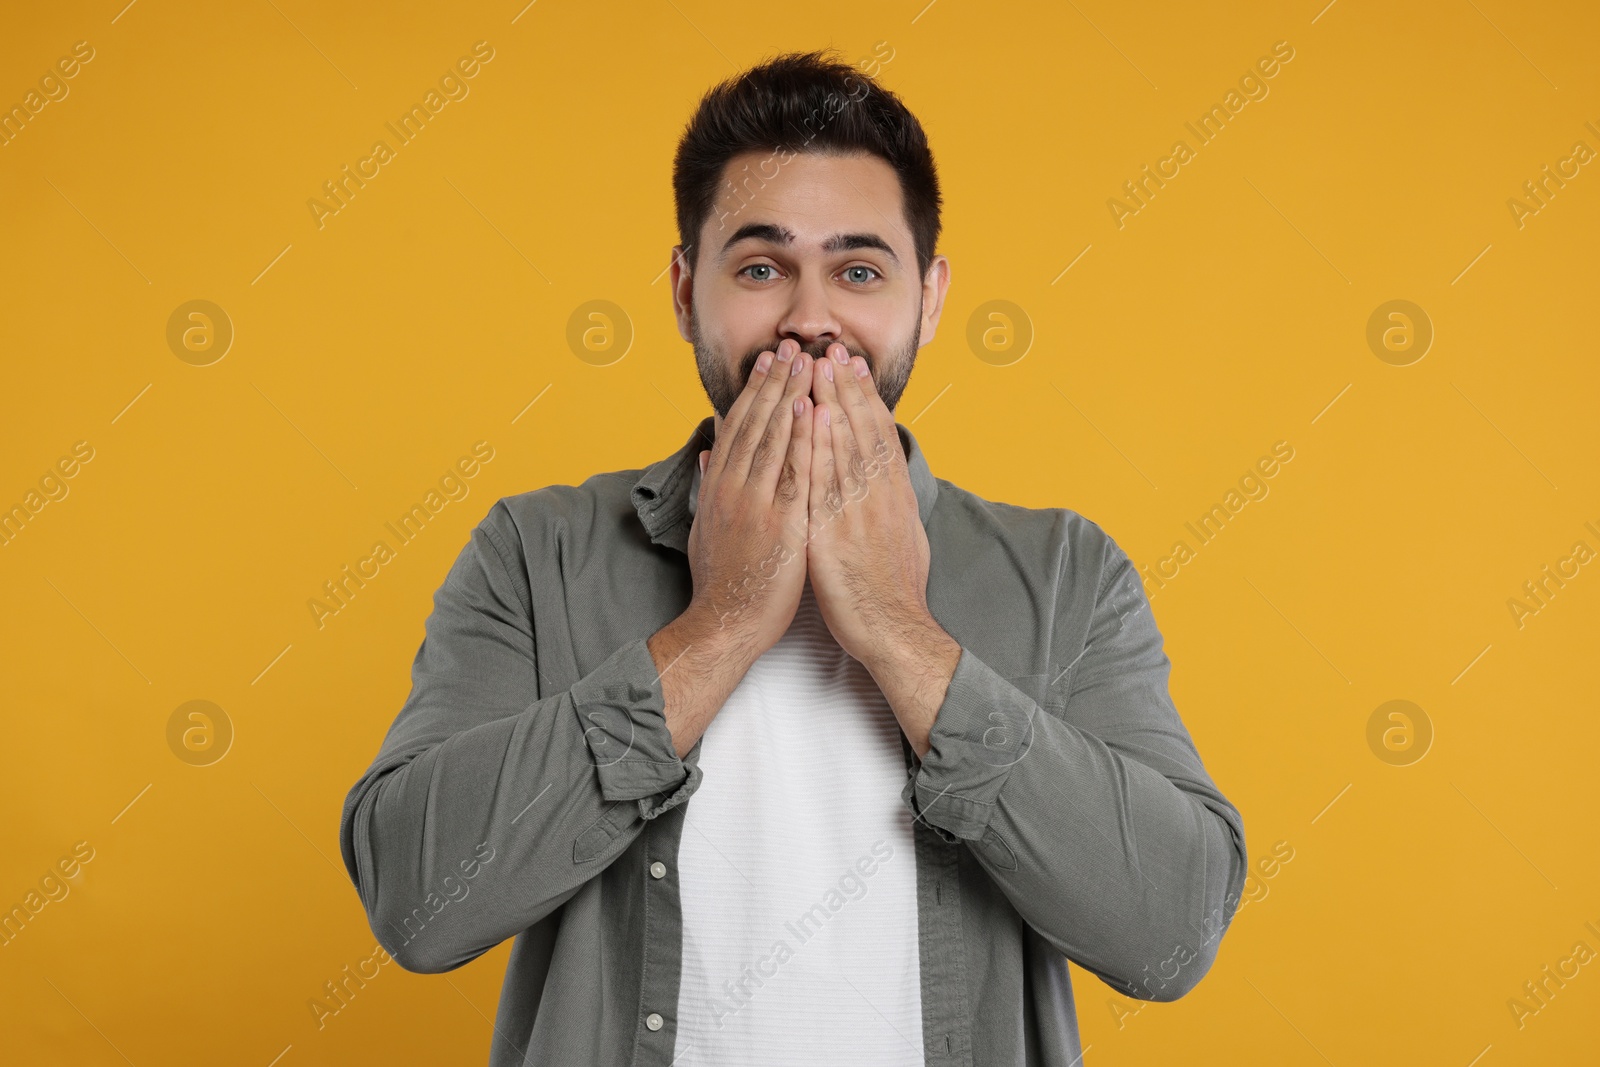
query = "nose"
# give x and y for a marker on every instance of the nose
(809, 316)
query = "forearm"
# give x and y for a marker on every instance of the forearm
(541, 788)
(1115, 860)
(700, 664)
(1124, 870)
(913, 671)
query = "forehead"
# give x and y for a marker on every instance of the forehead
(811, 195)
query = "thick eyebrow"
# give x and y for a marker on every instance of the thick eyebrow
(839, 242)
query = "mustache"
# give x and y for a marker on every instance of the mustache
(815, 349)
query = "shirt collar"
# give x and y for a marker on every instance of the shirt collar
(666, 491)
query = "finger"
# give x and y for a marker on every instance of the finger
(862, 433)
(847, 410)
(754, 435)
(873, 424)
(824, 500)
(825, 397)
(721, 448)
(771, 460)
(791, 492)
(772, 449)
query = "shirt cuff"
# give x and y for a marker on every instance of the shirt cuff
(622, 709)
(979, 733)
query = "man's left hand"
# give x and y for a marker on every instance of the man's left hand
(867, 553)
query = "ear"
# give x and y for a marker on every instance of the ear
(682, 291)
(934, 286)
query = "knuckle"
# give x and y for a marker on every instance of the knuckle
(788, 488)
(832, 497)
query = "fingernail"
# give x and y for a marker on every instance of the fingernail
(763, 361)
(827, 370)
(861, 368)
(796, 366)
(784, 351)
(799, 406)
(827, 417)
(841, 354)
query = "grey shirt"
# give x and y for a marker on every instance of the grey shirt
(529, 787)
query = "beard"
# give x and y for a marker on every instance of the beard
(723, 385)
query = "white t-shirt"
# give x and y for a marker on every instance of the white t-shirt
(797, 872)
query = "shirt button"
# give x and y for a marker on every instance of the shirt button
(658, 869)
(653, 1021)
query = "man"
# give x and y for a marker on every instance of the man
(782, 749)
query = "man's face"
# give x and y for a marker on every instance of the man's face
(811, 247)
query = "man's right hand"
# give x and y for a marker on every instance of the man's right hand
(747, 548)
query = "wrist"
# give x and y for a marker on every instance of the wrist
(707, 635)
(914, 675)
(911, 649)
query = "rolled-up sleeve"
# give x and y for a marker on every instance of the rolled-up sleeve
(1097, 820)
(550, 788)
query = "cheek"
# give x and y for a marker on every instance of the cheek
(722, 354)
(734, 323)
(889, 338)
(716, 310)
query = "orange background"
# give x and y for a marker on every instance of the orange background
(431, 312)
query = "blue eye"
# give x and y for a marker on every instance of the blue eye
(858, 274)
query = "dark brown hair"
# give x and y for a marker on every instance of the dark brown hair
(803, 102)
